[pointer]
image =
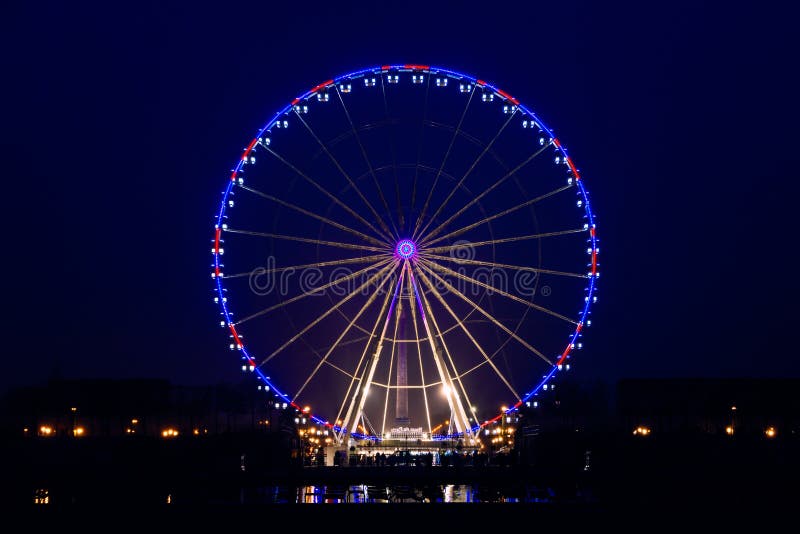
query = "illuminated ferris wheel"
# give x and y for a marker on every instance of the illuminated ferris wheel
(401, 246)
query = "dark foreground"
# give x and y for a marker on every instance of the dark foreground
(257, 473)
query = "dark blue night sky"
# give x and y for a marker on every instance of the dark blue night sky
(121, 125)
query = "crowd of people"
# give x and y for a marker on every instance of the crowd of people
(361, 458)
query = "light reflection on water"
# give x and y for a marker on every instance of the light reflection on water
(331, 494)
(363, 493)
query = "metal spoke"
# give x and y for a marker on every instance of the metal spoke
(316, 353)
(260, 271)
(485, 192)
(367, 378)
(493, 289)
(325, 192)
(311, 292)
(486, 357)
(419, 353)
(330, 222)
(496, 215)
(456, 407)
(366, 160)
(355, 318)
(391, 358)
(465, 261)
(335, 307)
(355, 341)
(419, 147)
(444, 160)
(466, 174)
(338, 244)
(371, 336)
(400, 216)
(349, 180)
(473, 244)
(487, 315)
